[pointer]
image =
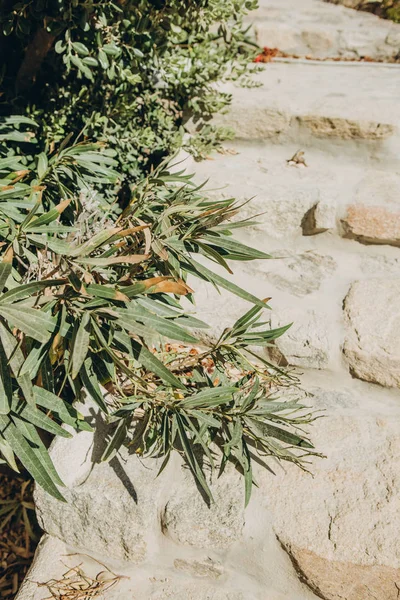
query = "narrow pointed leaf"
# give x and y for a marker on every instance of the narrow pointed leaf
(33, 322)
(28, 457)
(153, 364)
(5, 383)
(15, 361)
(81, 344)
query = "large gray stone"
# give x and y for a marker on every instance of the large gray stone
(118, 509)
(188, 519)
(372, 316)
(111, 511)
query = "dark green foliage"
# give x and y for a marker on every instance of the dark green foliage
(126, 72)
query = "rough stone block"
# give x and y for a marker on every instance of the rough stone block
(341, 526)
(372, 224)
(372, 316)
(306, 343)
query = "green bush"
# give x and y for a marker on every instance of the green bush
(124, 72)
(93, 265)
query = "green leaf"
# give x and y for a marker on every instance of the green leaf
(5, 383)
(43, 164)
(165, 327)
(64, 411)
(7, 452)
(59, 47)
(116, 440)
(5, 269)
(80, 48)
(103, 60)
(16, 360)
(209, 397)
(26, 454)
(80, 344)
(89, 380)
(161, 309)
(191, 459)
(234, 247)
(288, 437)
(111, 49)
(224, 283)
(30, 433)
(90, 61)
(106, 292)
(38, 418)
(34, 359)
(28, 289)
(248, 474)
(246, 318)
(33, 322)
(206, 418)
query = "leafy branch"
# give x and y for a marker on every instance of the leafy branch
(90, 300)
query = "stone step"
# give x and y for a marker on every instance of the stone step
(326, 193)
(312, 27)
(346, 107)
(327, 224)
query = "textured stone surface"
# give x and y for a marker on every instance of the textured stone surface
(204, 569)
(180, 591)
(379, 188)
(380, 265)
(320, 218)
(373, 224)
(372, 345)
(282, 195)
(346, 129)
(110, 512)
(306, 343)
(118, 507)
(46, 565)
(374, 217)
(312, 28)
(302, 274)
(332, 102)
(188, 520)
(341, 525)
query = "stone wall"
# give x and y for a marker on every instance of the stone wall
(332, 227)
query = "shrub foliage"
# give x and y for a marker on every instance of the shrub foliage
(94, 265)
(127, 72)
